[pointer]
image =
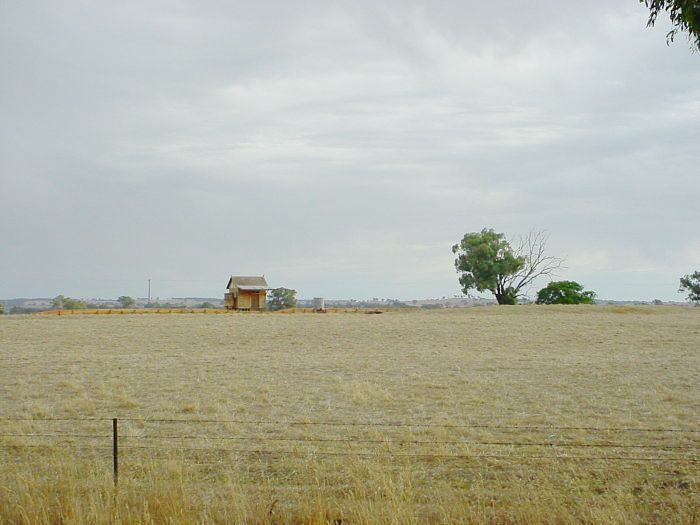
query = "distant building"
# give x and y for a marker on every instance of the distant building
(246, 293)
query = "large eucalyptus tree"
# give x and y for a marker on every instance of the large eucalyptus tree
(486, 261)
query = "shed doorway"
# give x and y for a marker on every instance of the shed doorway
(255, 301)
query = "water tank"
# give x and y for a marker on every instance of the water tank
(319, 303)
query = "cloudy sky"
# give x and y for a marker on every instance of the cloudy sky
(341, 148)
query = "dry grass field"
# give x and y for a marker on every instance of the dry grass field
(499, 414)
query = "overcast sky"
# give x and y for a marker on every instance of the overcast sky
(341, 148)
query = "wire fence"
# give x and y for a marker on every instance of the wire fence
(358, 423)
(275, 439)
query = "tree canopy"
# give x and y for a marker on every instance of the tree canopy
(684, 15)
(486, 261)
(126, 302)
(61, 302)
(564, 292)
(281, 298)
(691, 283)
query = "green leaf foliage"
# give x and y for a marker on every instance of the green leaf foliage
(691, 284)
(61, 302)
(281, 298)
(684, 15)
(485, 260)
(126, 302)
(564, 292)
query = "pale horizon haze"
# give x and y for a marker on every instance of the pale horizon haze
(341, 149)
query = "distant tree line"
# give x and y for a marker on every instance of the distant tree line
(485, 261)
(62, 302)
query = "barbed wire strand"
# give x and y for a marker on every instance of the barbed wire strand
(359, 423)
(370, 441)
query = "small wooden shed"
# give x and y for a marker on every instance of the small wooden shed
(246, 293)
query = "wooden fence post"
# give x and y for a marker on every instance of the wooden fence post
(115, 450)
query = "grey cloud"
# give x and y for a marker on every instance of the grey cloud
(340, 149)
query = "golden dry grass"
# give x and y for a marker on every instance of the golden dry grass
(481, 373)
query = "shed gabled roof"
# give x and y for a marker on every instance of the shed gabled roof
(247, 281)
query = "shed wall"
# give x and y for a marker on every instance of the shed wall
(244, 299)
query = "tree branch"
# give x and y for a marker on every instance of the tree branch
(532, 249)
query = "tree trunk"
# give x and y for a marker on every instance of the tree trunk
(506, 296)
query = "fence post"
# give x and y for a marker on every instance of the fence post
(115, 450)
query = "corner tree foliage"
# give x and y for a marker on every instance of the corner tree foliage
(691, 284)
(281, 298)
(2, 308)
(684, 15)
(126, 302)
(564, 292)
(486, 261)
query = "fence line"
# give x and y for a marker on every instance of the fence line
(361, 424)
(511, 460)
(370, 441)
(122, 442)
